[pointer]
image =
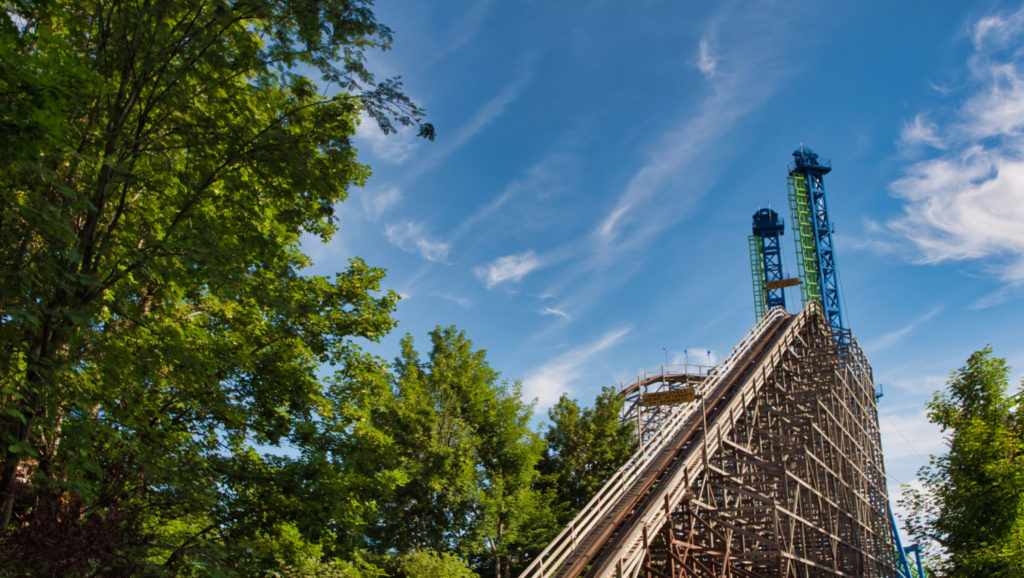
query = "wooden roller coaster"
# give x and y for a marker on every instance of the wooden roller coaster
(775, 470)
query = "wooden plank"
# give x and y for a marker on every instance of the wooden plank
(781, 283)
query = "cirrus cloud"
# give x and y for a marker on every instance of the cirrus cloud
(555, 312)
(378, 202)
(548, 382)
(706, 61)
(967, 202)
(510, 268)
(412, 237)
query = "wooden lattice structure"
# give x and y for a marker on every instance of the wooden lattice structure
(775, 471)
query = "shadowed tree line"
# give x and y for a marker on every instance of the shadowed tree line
(178, 396)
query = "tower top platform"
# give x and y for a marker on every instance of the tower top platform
(767, 223)
(804, 159)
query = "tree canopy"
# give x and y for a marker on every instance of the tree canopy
(162, 160)
(969, 514)
(585, 446)
(464, 444)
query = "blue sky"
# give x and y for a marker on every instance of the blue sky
(587, 200)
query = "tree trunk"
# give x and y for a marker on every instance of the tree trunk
(41, 356)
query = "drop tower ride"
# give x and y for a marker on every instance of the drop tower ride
(812, 232)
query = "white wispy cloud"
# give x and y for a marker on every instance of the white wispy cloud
(463, 302)
(918, 383)
(678, 170)
(376, 202)
(607, 230)
(908, 439)
(333, 251)
(997, 297)
(510, 268)
(920, 131)
(968, 201)
(490, 111)
(463, 29)
(893, 337)
(997, 29)
(909, 434)
(412, 237)
(395, 148)
(706, 61)
(555, 312)
(548, 382)
(540, 179)
(879, 238)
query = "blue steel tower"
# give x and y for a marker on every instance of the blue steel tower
(766, 261)
(812, 230)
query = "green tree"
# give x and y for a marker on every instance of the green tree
(584, 448)
(427, 564)
(971, 504)
(162, 161)
(462, 438)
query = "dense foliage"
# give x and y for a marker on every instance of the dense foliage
(585, 446)
(463, 443)
(177, 396)
(969, 514)
(161, 160)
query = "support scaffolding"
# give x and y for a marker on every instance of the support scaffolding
(795, 485)
(776, 471)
